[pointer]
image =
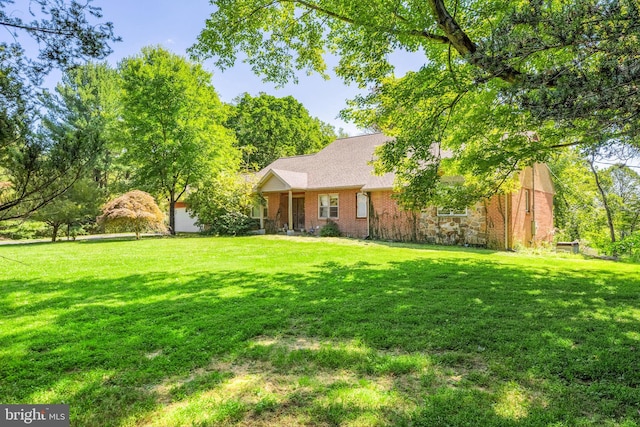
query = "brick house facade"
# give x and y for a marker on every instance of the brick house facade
(304, 192)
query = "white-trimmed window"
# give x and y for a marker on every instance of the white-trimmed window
(255, 209)
(328, 206)
(527, 200)
(449, 211)
(362, 205)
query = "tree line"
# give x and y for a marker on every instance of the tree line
(156, 123)
(153, 123)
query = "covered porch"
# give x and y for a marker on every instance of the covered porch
(284, 195)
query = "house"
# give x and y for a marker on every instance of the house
(302, 193)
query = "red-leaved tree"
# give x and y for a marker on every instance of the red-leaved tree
(135, 211)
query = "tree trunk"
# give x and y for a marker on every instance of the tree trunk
(54, 232)
(172, 216)
(603, 194)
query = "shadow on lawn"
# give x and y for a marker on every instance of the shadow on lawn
(428, 342)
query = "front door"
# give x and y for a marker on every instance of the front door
(298, 213)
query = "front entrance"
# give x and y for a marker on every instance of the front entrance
(297, 209)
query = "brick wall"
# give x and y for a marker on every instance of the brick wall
(540, 212)
(520, 220)
(349, 225)
(484, 225)
(495, 221)
(535, 181)
(389, 221)
(544, 216)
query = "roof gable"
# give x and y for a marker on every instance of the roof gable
(345, 163)
(281, 180)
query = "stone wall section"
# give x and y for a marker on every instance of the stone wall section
(470, 230)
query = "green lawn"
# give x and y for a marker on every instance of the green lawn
(263, 331)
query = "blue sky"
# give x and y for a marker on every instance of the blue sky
(175, 25)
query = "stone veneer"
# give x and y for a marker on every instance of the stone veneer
(455, 230)
(390, 222)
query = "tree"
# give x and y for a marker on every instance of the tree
(625, 192)
(578, 212)
(38, 167)
(35, 170)
(172, 123)
(268, 128)
(86, 103)
(135, 211)
(493, 71)
(596, 204)
(72, 141)
(64, 30)
(79, 205)
(619, 190)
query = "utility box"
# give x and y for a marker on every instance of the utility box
(569, 247)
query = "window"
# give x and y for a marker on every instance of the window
(362, 205)
(328, 206)
(527, 201)
(448, 211)
(255, 209)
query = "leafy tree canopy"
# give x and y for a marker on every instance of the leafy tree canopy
(172, 125)
(37, 167)
(619, 189)
(86, 104)
(268, 128)
(493, 72)
(65, 32)
(578, 212)
(78, 205)
(595, 203)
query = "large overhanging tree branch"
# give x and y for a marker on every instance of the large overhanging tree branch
(35, 170)
(63, 30)
(37, 192)
(560, 68)
(277, 28)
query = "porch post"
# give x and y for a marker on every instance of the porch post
(261, 216)
(290, 210)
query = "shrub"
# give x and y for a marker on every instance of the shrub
(629, 246)
(222, 205)
(231, 224)
(18, 230)
(270, 226)
(330, 230)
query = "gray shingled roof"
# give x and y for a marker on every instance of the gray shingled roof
(345, 163)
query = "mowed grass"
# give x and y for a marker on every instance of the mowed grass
(276, 331)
